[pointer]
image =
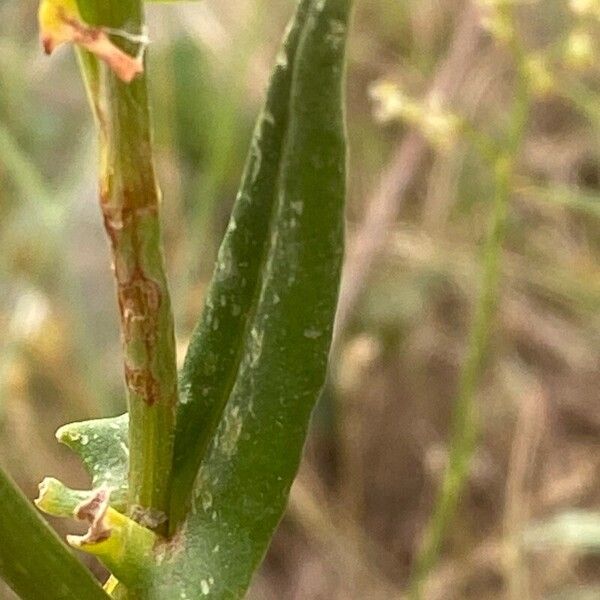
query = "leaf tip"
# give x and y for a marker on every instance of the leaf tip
(43, 488)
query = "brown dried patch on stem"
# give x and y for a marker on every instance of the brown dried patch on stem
(139, 301)
(139, 296)
(143, 383)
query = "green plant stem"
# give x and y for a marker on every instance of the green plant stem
(464, 430)
(23, 172)
(129, 199)
(33, 560)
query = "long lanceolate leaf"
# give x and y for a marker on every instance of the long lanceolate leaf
(217, 346)
(33, 561)
(248, 468)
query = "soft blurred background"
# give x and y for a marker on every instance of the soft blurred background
(430, 84)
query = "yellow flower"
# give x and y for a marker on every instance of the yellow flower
(439, 126)
(539, 77)
(585, 7)
(579, 52)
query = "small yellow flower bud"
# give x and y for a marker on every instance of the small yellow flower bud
(579, 50)
(539, 77)
(498, 26)
(585, 7)
(437, 125)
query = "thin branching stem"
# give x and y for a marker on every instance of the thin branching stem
(464, 429)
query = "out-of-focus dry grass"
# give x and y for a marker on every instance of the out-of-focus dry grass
(417, 216)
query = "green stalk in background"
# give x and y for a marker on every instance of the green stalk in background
(129, 199)
(464, 429)
(33, 560)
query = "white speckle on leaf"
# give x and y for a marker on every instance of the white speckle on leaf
(205, 587)
(312, 334)
(206, 501)
(297, 207)
(337, 31)
(230, 432)
(256, 345)
(250, 408)
(257, 156)
(225, 260)
(268, 117)
(84, 440)
(337, 27)
(282, 60)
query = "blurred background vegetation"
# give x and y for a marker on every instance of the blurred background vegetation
(430, 88)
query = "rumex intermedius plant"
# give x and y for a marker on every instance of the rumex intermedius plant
(189, 485)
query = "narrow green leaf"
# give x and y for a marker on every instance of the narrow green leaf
(33, 560)
(102, 444)
(245, 477)
(217, 345)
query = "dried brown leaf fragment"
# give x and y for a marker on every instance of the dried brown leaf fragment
(60, 23)
(93, 511)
